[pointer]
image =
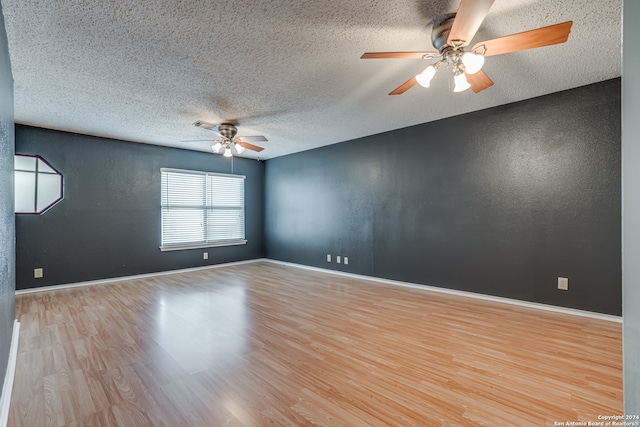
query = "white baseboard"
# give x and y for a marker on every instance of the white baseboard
(467, 294)
(534, 305)
(123, 278)
(5, 399)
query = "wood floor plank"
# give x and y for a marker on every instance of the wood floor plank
(263, 344)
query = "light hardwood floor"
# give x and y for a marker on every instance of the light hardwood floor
(263, 344)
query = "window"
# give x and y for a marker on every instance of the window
(201, 209)
(38, 186)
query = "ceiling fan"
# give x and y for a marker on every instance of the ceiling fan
(453, 32)
(227, 138)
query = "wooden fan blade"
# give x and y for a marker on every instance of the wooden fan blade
(251, 147)
(252, 138)
(204, 125)
(468, 19)
(479, 81)
(546, 36)
(397, 55)
(208, 126)
(404, 86)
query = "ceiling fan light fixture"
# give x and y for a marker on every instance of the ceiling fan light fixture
(216, 148)
(239, 148)
(472, 62)
(424, 78)
(461, 83)
(227, 152)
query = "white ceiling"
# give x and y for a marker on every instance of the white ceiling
(144, 71)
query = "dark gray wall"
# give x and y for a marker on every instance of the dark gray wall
(631, 212)
(7, 234)
(108, 224)
(499, 202)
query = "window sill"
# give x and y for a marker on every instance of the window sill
(200, 246)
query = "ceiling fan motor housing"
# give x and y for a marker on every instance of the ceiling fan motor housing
(227, 130)
(441, 30)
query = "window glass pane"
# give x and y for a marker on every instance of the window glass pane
(25, 191)
(225, 224)
(24, 163)
(183, 189)
(226, 191)
(182, 226)
(48, 190)
(44, 167)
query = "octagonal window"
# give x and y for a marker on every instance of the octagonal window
(38, 186)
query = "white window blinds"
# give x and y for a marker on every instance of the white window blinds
(201, 209)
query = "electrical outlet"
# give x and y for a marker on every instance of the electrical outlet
(346, 260)
(205, 255)
(563, 283)
(338, 259)
(328, 257)
(38, 273)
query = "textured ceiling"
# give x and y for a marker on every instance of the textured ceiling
(286, 69)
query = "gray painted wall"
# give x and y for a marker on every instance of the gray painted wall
(7, 231)
(108, 224)
(499, 202)
(631, 206)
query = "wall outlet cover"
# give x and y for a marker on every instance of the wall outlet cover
(38, 273)
(563, 283)
(328, 258)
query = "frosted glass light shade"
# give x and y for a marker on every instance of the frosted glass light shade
(216, 148)
(472, 62)
(461, 83)
(239, 148)
(424, 78)
(227, 152)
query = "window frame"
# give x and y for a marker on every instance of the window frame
(206, 208)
